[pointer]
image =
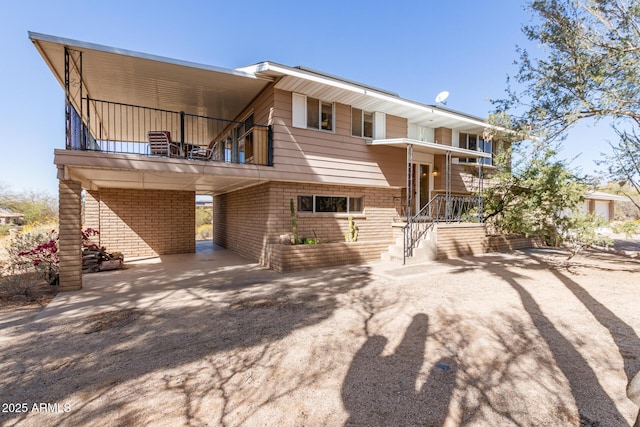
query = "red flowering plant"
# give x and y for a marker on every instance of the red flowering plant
(44, 257)
(87, 234)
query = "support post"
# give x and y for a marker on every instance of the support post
(70, 235)
(447, 196)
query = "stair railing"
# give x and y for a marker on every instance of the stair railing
(452, 209)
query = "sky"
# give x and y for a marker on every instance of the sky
(414, 48)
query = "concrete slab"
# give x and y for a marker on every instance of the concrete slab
(159, 281)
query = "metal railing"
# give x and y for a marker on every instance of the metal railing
(121, 128)
(441, 208)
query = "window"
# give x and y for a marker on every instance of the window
(330, 204)
(476, 143)
(312, 113)
(361, 123)
(244, 136)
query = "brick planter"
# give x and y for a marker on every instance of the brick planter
(512, 242)
(286, 258)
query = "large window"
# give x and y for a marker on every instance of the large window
(361, 123)
(474, 142)
(330, 204)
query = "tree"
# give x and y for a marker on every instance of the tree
(588, 67)
(533, 193)
(36, 206)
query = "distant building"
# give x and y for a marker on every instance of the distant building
(602, 204)
(7, 217)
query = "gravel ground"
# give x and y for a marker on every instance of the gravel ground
(501, 339)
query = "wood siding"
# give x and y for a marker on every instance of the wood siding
(336, 157)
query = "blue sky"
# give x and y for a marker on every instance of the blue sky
(414, 48)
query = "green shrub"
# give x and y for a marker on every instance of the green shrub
(204, 232)
(628, 228)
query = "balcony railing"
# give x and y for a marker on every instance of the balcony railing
(121, 128)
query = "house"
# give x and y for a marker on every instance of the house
(602, 204)
(146, 134)
(8, 217)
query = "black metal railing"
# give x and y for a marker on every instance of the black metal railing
(441, 208)
(121, 128)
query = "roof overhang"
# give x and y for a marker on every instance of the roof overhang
(135, 78)
(431, 148)
(334, 89)
(599, 195)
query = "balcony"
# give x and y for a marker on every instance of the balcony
(111, 127)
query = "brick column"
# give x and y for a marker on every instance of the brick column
(70, 235)
(92, 213)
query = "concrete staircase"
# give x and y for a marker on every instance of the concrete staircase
(425, 251)
(441, 242)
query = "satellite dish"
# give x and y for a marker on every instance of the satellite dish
(441, 98)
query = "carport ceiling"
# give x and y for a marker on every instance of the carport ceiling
(135, 78)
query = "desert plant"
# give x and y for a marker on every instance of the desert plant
(294, 223)
(351, 235)
(583, 233)
(44, 257)
(204, 232)
(628, 228)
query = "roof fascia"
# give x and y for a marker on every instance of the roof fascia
(345, 85)
(77, 44)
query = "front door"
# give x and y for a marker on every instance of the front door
(424, 185)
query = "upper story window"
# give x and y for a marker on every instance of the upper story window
(361, 123)
(312, 113)
(475, 142)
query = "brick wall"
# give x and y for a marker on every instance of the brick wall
(143, 222)
(510, 243)
(286, 258)
(248, 220)
(458, 240)
(70, 235)
(240, 220)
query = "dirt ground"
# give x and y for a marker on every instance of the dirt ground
(495, 340)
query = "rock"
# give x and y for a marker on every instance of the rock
(633, 389)
(285, 239)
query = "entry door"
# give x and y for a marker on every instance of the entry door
(424, 185)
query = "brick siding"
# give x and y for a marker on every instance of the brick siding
(247, 221)
(142, 222)
(287, 258)
(70, 235)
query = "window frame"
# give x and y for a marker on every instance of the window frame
(300, 113)
(314, 209)
(363, 123)
(481, 145)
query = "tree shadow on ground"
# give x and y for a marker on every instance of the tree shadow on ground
(593, 402)
(380, 390)
(90, 356)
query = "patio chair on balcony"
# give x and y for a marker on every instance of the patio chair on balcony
(203, 153)
(160, 143)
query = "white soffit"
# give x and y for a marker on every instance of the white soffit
(136, 78)
(360, 96)
(431, 148)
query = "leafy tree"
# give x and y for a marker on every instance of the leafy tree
(532, 193)
(36, 206)
(587, 67)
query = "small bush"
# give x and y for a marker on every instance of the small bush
(628, 228)
(204, 232)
